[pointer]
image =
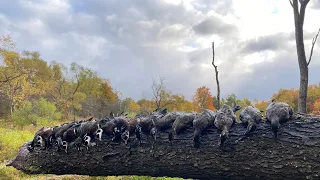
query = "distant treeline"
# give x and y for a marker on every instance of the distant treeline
(34, 91)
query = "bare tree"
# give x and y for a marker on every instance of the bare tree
(217, 78)
(161, 97)
(302, 60)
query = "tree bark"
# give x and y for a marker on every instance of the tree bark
(295, 155)
(303, 65)
(217, 77)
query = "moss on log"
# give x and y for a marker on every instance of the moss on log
(295, 155)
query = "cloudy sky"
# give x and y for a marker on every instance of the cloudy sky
(132, 41)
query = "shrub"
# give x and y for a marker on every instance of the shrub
(39, 113)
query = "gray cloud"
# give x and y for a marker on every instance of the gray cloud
(221, 7)
(134, 41)
(315, 4)
(268, 78)
(272, 42)
(215, 25)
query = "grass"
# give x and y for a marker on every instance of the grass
(12, 138)
(10, 141)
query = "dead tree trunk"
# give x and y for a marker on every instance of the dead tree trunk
(217, 77)
(294, 156)
(303, 63)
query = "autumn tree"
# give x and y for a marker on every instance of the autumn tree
(131, 106)
(289, 96)
(12, 72)
(302, 60)
(81, 92)
(313, 92)
(316, 107)
(203, 99)
(66, 87)
(60, 87)
(161, 96)
(146, 106)
(244, 102)
(101, 99)
(181, 104)
(10, 65)
(23, 76)
(261, 105)
(108, 92)
(74, 90)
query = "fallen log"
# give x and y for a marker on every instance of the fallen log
(295, 155)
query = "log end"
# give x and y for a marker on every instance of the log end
(18, 161)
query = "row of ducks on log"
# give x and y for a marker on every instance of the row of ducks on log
(83, 133)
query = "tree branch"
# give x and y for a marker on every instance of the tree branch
(303, 5)
(291, 3)
(258, 156)
(7, 79)
(157, 91)
(170, 102)
(314, 40)
(217, 77)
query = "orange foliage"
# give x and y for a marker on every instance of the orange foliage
(107, 91)
(310, 106)
(146, 105)
(203, 99)
(291, 96)
(316, 106)
(261, 105)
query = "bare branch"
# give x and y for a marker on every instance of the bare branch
(291, 3)
(217, 77)
(167, 103)
(10, 78)
(314, 40)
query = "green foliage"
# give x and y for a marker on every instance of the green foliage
(24, 116)
(181, 104)
(46, 109)
(40, 112)
(231, 99)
